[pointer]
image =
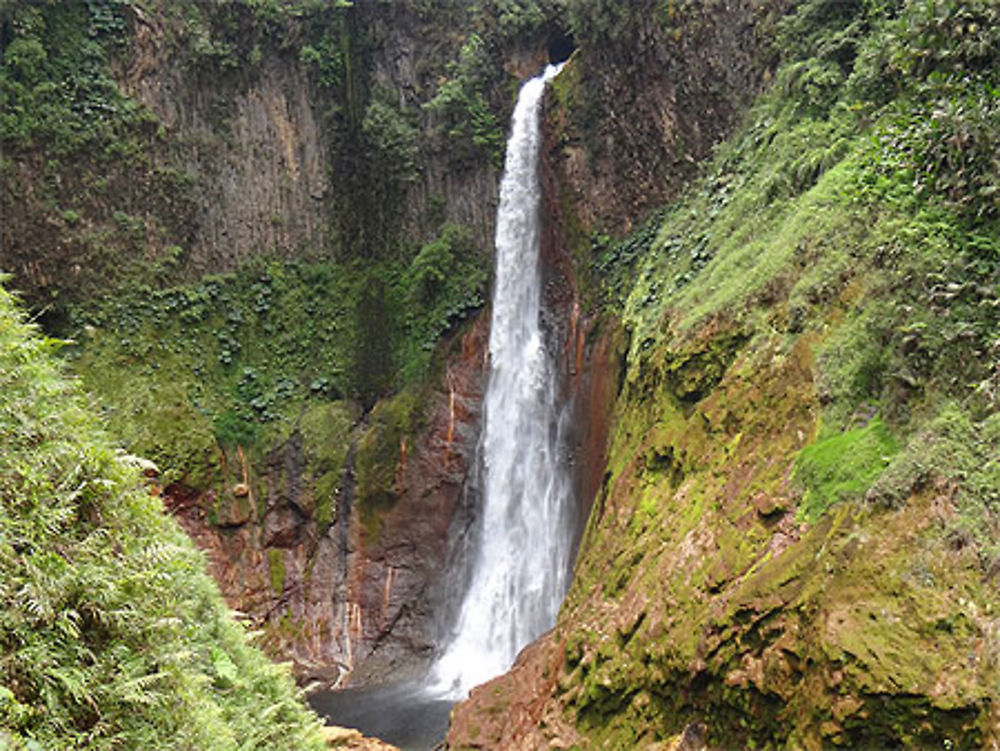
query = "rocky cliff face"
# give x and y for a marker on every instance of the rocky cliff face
(224, 160)
(651, 92)
(235, 133)
(348, 587)
(250, 143)
(717, 602)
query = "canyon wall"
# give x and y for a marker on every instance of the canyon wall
(780, 552)
(240, 133)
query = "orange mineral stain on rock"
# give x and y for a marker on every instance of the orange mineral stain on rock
(451, 415)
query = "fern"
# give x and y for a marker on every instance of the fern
(111, 634)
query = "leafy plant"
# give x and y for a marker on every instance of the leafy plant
(444, 284)
(228, 360)
(113, 636)
(56, 85)
(462, 104)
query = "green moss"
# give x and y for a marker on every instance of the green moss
(326, 430)
(842, 467)
(276, 567)
(381, 455)
(958, 449)
(748, 622)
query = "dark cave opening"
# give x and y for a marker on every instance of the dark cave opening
(560, 45)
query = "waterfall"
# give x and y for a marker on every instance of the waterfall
(521, 549)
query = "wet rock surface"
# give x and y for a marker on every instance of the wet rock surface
(355, 597)
(352, 740)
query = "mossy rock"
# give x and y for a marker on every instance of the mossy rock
(326, 436)
(393, 426)
(843, 466)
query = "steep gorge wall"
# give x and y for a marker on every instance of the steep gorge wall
(253, 146)
(348, 585)
(652, 90)
(236, 144)
(641, 103)
(714, 605)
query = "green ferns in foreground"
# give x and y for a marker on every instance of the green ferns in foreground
(111, 633)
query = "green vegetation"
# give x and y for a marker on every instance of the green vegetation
(111, 633)
(276, 566)
(81, 159)
(240, 361)
(231, 361)
(843, 466)
(798, 527)
(476, 95)
(56, 88)
(392, 429)
(446, 280)
(326, 438)
(838, 211)
(954, 451)
(798, 524)
(234, 37)
(462, 103)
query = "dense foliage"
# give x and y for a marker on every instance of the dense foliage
(111, 633)
(235, 360)
(56, 87)
(864, 183)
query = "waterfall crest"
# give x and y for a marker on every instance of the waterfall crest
(520, 558)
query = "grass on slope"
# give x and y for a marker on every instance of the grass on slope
(111, 633)
(857, 207)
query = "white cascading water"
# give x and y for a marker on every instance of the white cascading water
(520, 559)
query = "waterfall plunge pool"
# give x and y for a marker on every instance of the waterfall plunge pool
(403, 714)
